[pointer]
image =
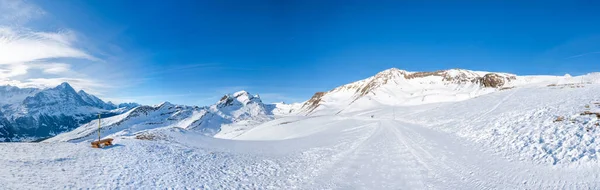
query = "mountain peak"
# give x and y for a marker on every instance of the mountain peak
(240, 93)
(392, 72)
(393, 69)
(240, 97)
(162, 104)
(395, 86)
(64, 85)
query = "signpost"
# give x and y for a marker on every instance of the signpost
(99, 127)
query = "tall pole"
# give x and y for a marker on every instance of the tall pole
(98, 127)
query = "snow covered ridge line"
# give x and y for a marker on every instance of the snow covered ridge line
(109, 125)
(240, 107)
(554, 124)
(240, 111)
(503, 140)
(399, 87)
(30, 114)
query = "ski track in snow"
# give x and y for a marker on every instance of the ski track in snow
(497, 105)
(376, 154)
(435, 146)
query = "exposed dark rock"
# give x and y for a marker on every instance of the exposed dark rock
(313, 102)
(492, 80)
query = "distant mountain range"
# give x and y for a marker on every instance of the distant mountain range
(399, 87)
(237, 108)
(30, 114)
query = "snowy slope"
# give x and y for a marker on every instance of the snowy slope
(30, 114)
(520, 123)
(399, 87)
(135, 120)
(284, 109)
(59, 100)
(540, 134)
(236, 113)
(499, 140)
(95, 101)
(240, 109)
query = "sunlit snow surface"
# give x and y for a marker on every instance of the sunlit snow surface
(503, 140)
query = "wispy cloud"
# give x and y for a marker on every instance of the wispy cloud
(20, 46)
(583, 54)
(7, 71)
(13, 70)
(53, 68)
(24, 49)
(17, 12)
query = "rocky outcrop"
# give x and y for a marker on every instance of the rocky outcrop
(493, 80)
(400, 86)
(424, 74)
(313, 102)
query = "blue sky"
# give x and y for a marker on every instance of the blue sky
(192, 52)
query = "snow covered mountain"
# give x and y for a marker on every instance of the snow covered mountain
(239, 112)
(511, 132)
(240, 109)
(284, 109)
(536, 136)
(400, 87)
(29, 114)
(95, 101)
(11, 94)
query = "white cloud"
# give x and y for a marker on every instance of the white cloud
(64, 37)
(12, 70)
(57, 70)
(16, 12)
(24, 49)
(52, 68)
(22, 46)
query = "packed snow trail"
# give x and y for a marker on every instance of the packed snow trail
(395, 155)
(407, 156)
(336, 153)
(379, 162)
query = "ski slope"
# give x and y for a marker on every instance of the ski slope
(372, 154)
(504, 140)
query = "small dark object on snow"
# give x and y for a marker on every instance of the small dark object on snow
(591, 113)
(560, 118)
(372, 116)
(102, 143)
